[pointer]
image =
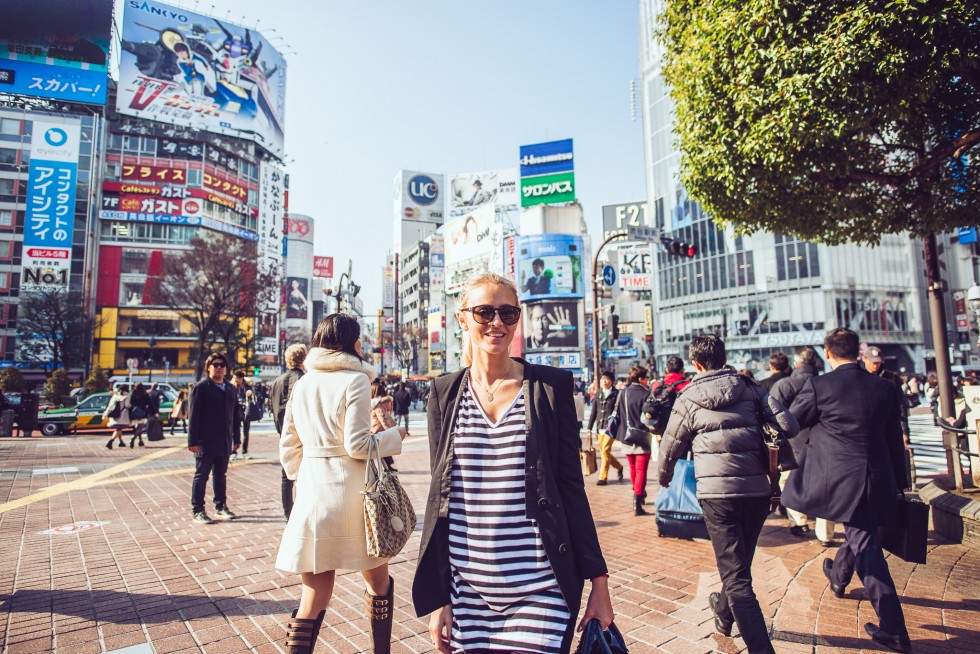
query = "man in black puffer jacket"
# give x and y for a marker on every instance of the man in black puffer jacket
(717, 417)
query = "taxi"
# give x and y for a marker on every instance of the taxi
(87, 414)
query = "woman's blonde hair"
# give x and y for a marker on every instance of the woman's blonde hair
(483, 279)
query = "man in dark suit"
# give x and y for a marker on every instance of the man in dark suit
(853, 469)
(212, 437)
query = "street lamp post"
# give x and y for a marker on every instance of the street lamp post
(152, 343)
(596, 309)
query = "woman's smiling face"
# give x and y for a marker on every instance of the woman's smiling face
(494, 337)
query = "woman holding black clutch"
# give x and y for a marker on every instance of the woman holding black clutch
(508, 539)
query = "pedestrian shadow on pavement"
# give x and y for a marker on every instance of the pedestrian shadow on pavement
(115, 607)
(955, 640)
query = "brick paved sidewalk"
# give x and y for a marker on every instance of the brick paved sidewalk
(149, 575)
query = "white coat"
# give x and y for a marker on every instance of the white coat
(325, 436)
(123, 419)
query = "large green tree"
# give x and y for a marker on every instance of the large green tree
(53, 328)
(835, 120)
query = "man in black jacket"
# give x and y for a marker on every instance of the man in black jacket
(603, 405)
(278, 398)
(400, 404)
(779, 369)
(807, 365)
(854, 467)
(211, 437)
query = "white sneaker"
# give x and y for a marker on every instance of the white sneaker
(233, 457)
(246, 456)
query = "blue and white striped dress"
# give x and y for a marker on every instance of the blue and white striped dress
(505, 596)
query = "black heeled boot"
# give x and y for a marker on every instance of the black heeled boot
(301, 633)
(379, 610)
(638, 505)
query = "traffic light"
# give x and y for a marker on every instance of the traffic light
(677, 248)
(614, 325)
(256, 370)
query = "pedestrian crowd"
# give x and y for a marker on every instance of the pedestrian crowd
(509, 548)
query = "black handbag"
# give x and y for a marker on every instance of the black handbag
(596, 641)
(907, 536)
(253, 411)
(636, 436)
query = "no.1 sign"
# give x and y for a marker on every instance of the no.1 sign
(72, 528)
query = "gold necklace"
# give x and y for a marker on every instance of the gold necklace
(488, 389)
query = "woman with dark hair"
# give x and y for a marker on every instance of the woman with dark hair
(120, 397)
(508, 539)
(142, 409)
(629, 408)
(326, 434)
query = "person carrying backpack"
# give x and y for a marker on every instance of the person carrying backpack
(657, 407)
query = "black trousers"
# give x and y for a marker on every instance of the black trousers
(861, 551)
(215, 467)
(398, 419)
(246, 425)
(287, 494)
(734, 526)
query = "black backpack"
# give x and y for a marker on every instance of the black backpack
(656, 408)
(115, 411)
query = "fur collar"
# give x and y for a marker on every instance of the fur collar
(322, 360)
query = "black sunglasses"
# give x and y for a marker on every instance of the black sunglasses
(219, 364)
(484, 313)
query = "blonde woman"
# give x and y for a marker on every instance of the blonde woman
(325, 436)
(508, 539)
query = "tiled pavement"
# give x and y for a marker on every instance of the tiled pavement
(151, 576)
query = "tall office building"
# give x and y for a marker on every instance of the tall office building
(767, 291)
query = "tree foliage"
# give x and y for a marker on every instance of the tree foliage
(11, 380)
(97, 382)
(57, 388)
(52, 328)
(836, 120)
(216, 286)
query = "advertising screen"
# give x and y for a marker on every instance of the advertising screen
(549, 266)
(470, 190)
(184, 68)
(473, 244)
(549, 325)
(297, 297)
(56, 49)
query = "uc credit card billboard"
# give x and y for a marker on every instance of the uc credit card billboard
(547, 173)
(188, 69)
(550, 266)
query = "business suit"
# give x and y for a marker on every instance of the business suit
(853, 468)
(554, 489)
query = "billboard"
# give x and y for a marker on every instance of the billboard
(618, 217)
(297, 297)
(323, 267)
(550, 325)
(299, 229)
(549, 266)
(50, 215)
(547, 173)
(55, 49)
(272, 214)
(473, 244)
(635, 265)
(184, 68)
(419, 196)
(470, 190)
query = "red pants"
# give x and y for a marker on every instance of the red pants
(638, 472)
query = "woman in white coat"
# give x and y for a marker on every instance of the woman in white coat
(120, 398)
(325, 437)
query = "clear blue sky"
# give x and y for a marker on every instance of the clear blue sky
(444, 86)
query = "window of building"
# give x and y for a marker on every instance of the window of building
(795, 259)
(8, 156)
(6, 217)
(9, 126)
(7, 186)
(135, 261)
(193, 177)
(6, 248)
(4, 280)
(132, 293)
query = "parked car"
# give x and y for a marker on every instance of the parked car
(87, 414)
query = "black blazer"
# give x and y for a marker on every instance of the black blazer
(555, 491)
(855, 459)
(213, 418)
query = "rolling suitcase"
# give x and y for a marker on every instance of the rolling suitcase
(678, 513)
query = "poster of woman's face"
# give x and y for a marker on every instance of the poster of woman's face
(297, 297)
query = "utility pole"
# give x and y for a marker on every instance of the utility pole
(596, 308)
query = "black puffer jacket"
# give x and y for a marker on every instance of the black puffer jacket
(716, 416)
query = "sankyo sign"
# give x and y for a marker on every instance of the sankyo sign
(548, 189)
